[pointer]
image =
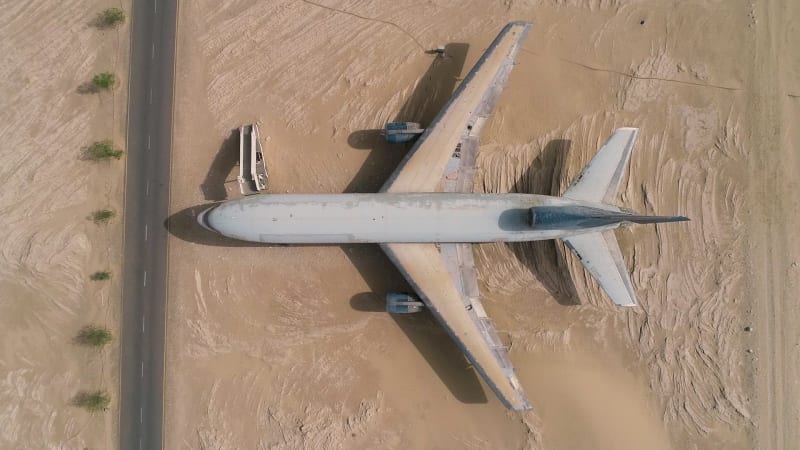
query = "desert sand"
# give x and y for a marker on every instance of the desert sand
(289, 347)
(48, 50)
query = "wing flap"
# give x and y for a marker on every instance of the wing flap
(600, 254)
(460, 170)
(423, 168)
(451, 295)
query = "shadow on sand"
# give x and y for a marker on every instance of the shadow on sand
(430, 95)
(227, 157)
(422, 329)
(546, 260)
(183, 225)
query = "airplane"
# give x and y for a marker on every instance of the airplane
(426, 217)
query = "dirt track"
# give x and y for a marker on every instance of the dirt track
(774, 247)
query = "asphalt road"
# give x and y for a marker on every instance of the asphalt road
(146, 207)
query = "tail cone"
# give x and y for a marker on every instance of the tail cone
(653, 219)
(584, 217)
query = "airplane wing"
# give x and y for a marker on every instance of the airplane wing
(600, 254)
(461, 314)
(443, 159)
(461, 119)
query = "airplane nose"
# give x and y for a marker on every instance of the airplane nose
(202, 219)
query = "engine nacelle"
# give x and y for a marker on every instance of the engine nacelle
(401, 303)
(401, 132)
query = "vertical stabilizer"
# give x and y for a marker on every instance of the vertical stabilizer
(600, 179)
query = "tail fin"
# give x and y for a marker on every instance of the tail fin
(600, 179)
(599, 251)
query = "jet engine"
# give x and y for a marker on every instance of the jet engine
(402, 303)
(401, 132)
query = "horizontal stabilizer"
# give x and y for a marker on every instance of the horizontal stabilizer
(600, 254)
(600, 179)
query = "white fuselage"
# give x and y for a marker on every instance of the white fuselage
(384, 218)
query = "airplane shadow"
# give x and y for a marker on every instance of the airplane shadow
(422, 329)
(546, 260)
(227, 157)
(183, 225)
(431, 93)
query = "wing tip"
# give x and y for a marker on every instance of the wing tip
(524, 23)
(522, 403)
(623, 301)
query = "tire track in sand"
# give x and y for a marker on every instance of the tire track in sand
(769, 231)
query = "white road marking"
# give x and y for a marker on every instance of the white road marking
(145, 232)
(141, 415)
(142, 324)
(140, 443)
(153, 52)
(144, 283)
(148, 142)
(142, 369)
(155, 7)
(151, 96)
(147, 188)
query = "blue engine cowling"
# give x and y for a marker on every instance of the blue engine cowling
(401, 132)
(400, 303)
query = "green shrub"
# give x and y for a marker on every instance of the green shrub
(103, 216)
(93, 336)
(102, 150)
(104, 80)
(100, 276)
(110, 18)
(93, 401)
